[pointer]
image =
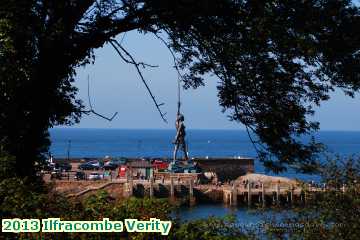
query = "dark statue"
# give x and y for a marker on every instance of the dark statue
(180, 137)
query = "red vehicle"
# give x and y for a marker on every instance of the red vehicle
(160, 165)
(122, 171)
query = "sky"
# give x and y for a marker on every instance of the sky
(116, 87)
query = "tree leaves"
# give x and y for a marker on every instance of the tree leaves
(274, 60)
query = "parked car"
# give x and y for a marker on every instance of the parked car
(146, 159)
(177, 169)
(160, 165)
(79, 176)
(95, 176)
(110, 166)
(93, 165)
(114, 163)
(55, 175)
(121, 160)
(97, 163)
(191, 170)
(49, 167)
(64, 166)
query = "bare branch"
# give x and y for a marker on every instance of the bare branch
(251, 139)
(172, 54)
(102, 116)
(88, 92)
(180, 77)
(91, 107)
(129, 59)
(123, 38)
(248, 127)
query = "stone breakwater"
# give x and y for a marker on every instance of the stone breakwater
(249, 190)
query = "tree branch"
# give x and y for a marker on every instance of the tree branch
(117, 46)
(172, 54)
(91, 107)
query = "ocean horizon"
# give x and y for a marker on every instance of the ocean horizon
(100, 142)
(187, 129)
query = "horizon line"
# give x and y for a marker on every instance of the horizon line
(215, 129)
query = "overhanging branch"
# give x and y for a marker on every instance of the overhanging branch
(128, 58)
(172, 54)
(91, 107)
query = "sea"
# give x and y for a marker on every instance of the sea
(82, 142)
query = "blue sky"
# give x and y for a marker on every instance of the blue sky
(115, 86)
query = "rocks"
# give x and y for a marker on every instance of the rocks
(262, 178)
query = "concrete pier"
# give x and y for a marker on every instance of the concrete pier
(151, 187)
(249, 194)
(230, 197)
(191, 192)
(234, 196)
(247, 191)
(263, 195)
(246, 194)
(128, 188)
(278, 194)
(172, 188)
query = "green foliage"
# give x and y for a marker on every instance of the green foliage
(211, 228)
(146, 208)
(22, 200)
(274, 60)
(333, 214)
(327, 215)
(25, 199)
(7, 165)
(102, 205)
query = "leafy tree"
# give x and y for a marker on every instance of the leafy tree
(7, 165)
(274, 61)
(333, 214)
(211, 228)
(23, 202)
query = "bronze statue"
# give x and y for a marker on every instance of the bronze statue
(180, 137)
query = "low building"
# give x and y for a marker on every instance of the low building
(140, 169)
(225, 168)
